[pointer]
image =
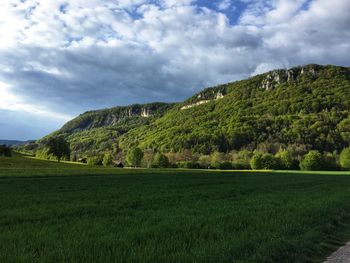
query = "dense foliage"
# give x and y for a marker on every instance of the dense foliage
(312, 161)
(58, 147)
(5, 150)
(345, 158)
(134, 157)
(161, 161)
(299, 110)
(266, 161)
(310, 110)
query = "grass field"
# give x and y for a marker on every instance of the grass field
(53, 212)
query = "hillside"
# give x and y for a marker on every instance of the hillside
(97, 131)
(306, 107)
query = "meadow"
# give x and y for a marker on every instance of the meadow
(52, 212)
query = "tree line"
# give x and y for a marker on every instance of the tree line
(293, 158)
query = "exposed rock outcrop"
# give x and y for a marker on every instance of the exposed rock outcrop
(276, 77)
(205, 97)
(194, 104)
(113, 116)
(272, 79)
(146, 112)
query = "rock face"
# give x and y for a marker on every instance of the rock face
(206, 96)
(114, 116)
(219, 95)
(272, 79)
(194, 104)
(276, 77)
(146, 112)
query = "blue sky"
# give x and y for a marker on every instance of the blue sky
(59, 58)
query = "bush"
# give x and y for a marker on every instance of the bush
(204, 161)
(94, 160)
(134, 157)
(189, 165)
(345, 158)
(240, 165)
(330, 162)
(287, 160)
(264, 162)
(107, 159)
(225, 166)
(216, 159)
(5, 151)
(161, 161)
(312, 161)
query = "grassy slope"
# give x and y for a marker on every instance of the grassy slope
(167, 215)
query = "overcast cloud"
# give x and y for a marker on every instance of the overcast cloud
(59, 58)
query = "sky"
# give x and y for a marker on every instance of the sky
(59, 58)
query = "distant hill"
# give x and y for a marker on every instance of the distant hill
(305, 106)
(97, 131)
(14, 142)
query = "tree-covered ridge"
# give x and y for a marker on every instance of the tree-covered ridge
(114, 116)
(304, 105)
(299, 110)
(95, 132)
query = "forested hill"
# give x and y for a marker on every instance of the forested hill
(306, 106)
(117, 116)
(95, 132)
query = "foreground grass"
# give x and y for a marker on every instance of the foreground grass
(72, 213)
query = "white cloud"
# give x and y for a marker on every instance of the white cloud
(224, 5)
(71, 56)
(12, 102)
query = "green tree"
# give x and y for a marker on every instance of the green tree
(312, 161)
(287, 160)
(134, 157)
(94, 160)
(216, 159)
(161, 161)
(266, 161)
(345, 158)
(5, 151)
(256, 161)
(58, 147)
(107, 159)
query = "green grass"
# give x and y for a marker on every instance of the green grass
(53, 212)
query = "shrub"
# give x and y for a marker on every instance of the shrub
(94, 160)
(204, 161)
(240, 165)
(225, 166)
(107, 159)
(287, 161)
(189, 165)
(134, 157)
(216, 159)
(312, 161)
(5, 151)
(42, 153)
(256, 161)
(345, 158)
(161, 161)
(330, 162)
(264, 161)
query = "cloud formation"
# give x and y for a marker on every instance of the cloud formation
(65, 57)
